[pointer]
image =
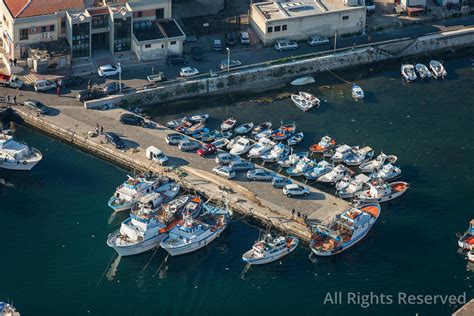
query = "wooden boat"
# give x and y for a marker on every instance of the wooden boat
(244, 128)
(262, 127)
(408, 72)
(295, 139)
(176, 123)
(324, 144)
(438, 69)
(228, 124)
(303, 81)
(183, 127)
(380, 191)
(284, 132)
(194, 128)
(466, 241)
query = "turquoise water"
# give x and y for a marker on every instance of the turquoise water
(55, 219)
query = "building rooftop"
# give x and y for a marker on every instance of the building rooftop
(29, 8)
(285, 10)
(153, 30)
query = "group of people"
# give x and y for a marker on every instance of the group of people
(99, 129)
(11, 99)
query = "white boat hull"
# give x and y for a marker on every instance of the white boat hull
(18, 165)
(269, 259)
(139, 247)
(345, 246)
(386, 198)
(195, 246)
(303, 81)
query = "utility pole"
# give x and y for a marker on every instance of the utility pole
(335, 40)
(228, 59)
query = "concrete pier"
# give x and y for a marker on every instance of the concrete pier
(258, 200)
(466, 310)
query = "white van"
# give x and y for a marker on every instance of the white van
(155, 154)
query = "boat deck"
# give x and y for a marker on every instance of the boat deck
(257, 199)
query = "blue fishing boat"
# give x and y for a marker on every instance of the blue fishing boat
(284, 131)
(295, 139)
(320, 169)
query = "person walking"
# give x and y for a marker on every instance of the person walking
(14, 99)
(8, 98)
(101, 130)
(293, 213)
(58, 91)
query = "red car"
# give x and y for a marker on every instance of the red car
(208, 149)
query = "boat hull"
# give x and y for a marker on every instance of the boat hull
(120, 207)
(381, 199)
(19, 165)
(195, 246)
(345, 246)
(269, 259)
(137, 248)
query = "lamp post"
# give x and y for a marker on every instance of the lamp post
(228, 59)
(120, 77)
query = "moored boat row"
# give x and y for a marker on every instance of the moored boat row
(412, 72)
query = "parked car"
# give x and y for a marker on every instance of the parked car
(241, 165)
(260, 174)
(293, 189)
(216, 45)
(279, 182)
(176, 60)
(37, 106)
(370, 5)
(230, 38)
(113, 87)
(244, 38)
(315, 40)
(109, 70)
(86, 95)
(207, 150)
(196, 53)
(131, 119)
(188, 145)
(224, 171)
(70, 81)
(44, 85)
(232, 63)
(174, 138)
(158, 77)
(188, 72)
(285, 45)
(115, 140)
(157, 155)
(226, 158)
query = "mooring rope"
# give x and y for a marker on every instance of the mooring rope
(146, 265)
(338, 77)
(105, 270)
(157, 270)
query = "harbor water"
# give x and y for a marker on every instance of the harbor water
(55, 219)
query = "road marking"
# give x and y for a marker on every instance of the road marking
(30, 78)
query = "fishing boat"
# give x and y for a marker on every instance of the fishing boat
(324, 144)
(191, 234)
(357, 92)
(387, 172)
(381, 191)
(283, 132)
(303, 165)
(356, 184)
(244, 128)
(242, 146)
(408, 72)
(377, 163)
(262, 127)
(128, 193)
(227, 135)
(270, 249)
(423, 71)
(303, 81)
(323, 167)
(438, 69)
(17, 156)
(466, 241)
(198, 134)
(305, 101)
(359, 156)
(181, 128)
(220, 143)
(200, 118)
(212, 135)
(295, 139)
(233, 141)
(334, 175)
(155, 199)
(146, 227)
(342, 152)
(470, 256)
(262, 146)
(7, 309)
(196, 127)
(228, 124)
(175, 123)
(345, 231)
(292, 160)
(264, 134)
(344, 182)
(276, 153)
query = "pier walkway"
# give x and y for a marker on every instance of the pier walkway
(259, 200)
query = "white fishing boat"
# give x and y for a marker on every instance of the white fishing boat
(264, 134)
(356, 184)
(244, 128)
(323, 167)
(263, 146)
(262, 127)
(242, 146)
(155, 199)
(381, 191)
(191, 234)
(303, 165)
(129, 192)
(408, 72)
(343, 183)
(387, 172)
(357, 92)
(377, 163)
(359, 156)
(200, 118)
(305, 101)
(295, 139)
(334, 175)
(270, 249)
(438, 69)
(345, 231)
(276, 153)
(17, 156)
(232, 142)
(211, 136)
(466, 241)
(175, 123)
(303, 81)
(324, 144)
(291, 160)
(342, 152)
(228, 124)
(220, 143)
(423, 71)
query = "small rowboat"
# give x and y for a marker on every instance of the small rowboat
(244, 128)
(295, 139)
(467, 239)
(408, 72)
(305, 101)
(357, 92)
(324, 144)
(228, 124)
(303, 81)
(265, 126)
(194, 128)
(423, 71)
(201, 118)
(438, 69)
(284, 132)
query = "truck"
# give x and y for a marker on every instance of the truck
(11, 81)
(159, 77)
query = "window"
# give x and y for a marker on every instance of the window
(345, 17)
(277, 28)
(122, 34)
(283, 28)
(140, 14)
(80, 40)
(148, 46)
(43, 29)
(51, 28)
(23, 34)
(269, 29)
(173, 43)
(100, 21)
(160, 13)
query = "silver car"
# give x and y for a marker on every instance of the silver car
(44, 85)
(260, 174)
(315, 40)
(226, 158)
(279, 182)
(224, 171)
(241, 165)
(291, 190)
(285, 45)
(188, 145)
(174, 138)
